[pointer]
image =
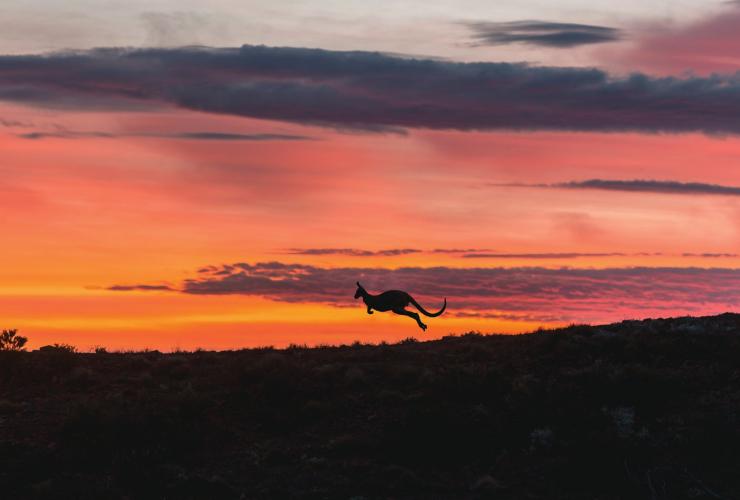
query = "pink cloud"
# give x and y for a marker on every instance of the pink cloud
(711, 45)
(570, 294)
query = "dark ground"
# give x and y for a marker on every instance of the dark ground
(635, 410)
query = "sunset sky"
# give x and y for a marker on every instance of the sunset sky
(180, 176)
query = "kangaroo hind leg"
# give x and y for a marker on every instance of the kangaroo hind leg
(413, 315)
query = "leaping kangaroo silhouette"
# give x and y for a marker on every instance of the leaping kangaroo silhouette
(396, 301)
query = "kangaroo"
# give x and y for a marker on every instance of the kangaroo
(396, 301)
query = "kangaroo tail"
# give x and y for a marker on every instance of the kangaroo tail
(424, 311)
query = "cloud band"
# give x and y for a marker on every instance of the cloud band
(367, 90)
(567, 293)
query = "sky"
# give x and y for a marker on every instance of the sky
(176, 175)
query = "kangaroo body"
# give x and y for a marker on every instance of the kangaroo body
(396, 301)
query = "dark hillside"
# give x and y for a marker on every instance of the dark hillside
(635, 410)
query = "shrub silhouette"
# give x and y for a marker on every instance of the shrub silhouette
(59, 348)
(11, 341)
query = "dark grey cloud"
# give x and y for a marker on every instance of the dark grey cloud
(652, 186)
(146, 288)
(225, 136)
(34, 136)
(543, 33)
(638, 185)
(365, 90)
(199, 136)
(711, 255)
(353, 252)
(578, 294)
(460, 250)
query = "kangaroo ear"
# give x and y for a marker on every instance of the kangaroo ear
(358, 284)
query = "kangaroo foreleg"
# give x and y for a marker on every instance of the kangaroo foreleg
(369, 310)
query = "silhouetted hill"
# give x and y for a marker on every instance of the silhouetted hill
(634, 410)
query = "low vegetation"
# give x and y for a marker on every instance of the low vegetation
(634, 410)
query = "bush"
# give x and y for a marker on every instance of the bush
(11, 341)
(58, 348)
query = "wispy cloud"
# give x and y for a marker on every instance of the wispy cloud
(563, 255)
(352, 252)
(358, 252)
(572, 293)
(460, 250)
(14, 123)
(522, 316)
(712, 255)
(644, 186)
(145, 288)
(199, 136)
(366, 90)
(476, 253)
(542, 33)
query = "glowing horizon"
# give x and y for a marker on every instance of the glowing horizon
(145, 191)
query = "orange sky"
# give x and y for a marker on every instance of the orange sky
(79, 214)
(372, 167)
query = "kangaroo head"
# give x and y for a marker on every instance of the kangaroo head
(360, 291)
